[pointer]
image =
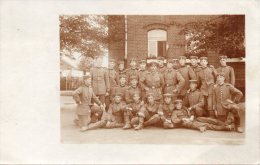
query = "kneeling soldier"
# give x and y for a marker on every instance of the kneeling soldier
(181, 117)
(132, 113)
(165, 111)
(194, 99)
(89, 115)
(116, 112)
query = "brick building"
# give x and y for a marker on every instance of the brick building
(142, 36)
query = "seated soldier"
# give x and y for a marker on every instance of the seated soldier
(165, 110)
(89, 115)
(116, 112)
(181, 117)
(132, 113)
(121, 88)
(194, 99)
(149, 112)
(133, 88)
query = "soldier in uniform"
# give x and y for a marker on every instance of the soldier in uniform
(181, 117)
(153, 81)
(206, 80)
(173, 80)
(132, 114)
(100, 80)
(113, 76)
(121, 67)
(194, 99)
(161, 66)
(142, 73)
(187, 73)
(133, 70)
(227, 70)
(165, 111)
(225, 99)
(194, 64)
(120, 88)
(116, 112)
(89, 115)
(134, 87)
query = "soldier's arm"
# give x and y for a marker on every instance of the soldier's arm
(175, 118)
(181, 81)
(95, 98)
(142, 82)
(76, 94)
(186, 100)
(236, 93)
(162, 83)
(110, 110)
(128, 98)
(192, 74)
(201, 102)
(214, 98)
(107, 82)
(232, 76)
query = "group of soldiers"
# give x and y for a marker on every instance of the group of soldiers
(149, 93)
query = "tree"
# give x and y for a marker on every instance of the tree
(224, 34)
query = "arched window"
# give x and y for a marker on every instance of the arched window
(157, 43)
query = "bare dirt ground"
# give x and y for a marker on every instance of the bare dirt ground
(151, 135)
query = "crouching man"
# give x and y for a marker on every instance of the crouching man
(115, 116)
(181, 117)
(89, 115)
(165, 111)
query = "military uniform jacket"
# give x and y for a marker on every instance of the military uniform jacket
(194, 99)
(130, 92)
(152, 109)
(162, 69)
(116, 111)
(130, 72)
(100, 80)
(188, 74)
(112, 78)
(178, 115)
(196, 69)
(173, 78)
(167, 110)
(136, 107)
(206, 78)
(118, 90)
(229, 74)
(141, 74)
(84, 94)
(223, 92)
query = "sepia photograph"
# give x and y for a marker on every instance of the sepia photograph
(152, 79)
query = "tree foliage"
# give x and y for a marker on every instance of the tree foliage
(224, 34)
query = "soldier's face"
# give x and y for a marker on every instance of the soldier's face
(167, 100)
(220, 79)
(223, 62)
(111, 64)
(117, 99)
(133, 83)
(160, 62)
(142, 66)
(150, 99)
(122, 81)
(133, 64)
(182, 62)
(169, 65)
(136, 98)
(121, 67)
(153, 68)
(87, 81)
(193, 62)
(203, 63)
(193, 86)
(178, 105)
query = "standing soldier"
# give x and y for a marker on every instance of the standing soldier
(133, 88)
(206, 79)
(120, 88)
(161, 66)
(132, 113)
(100, 80)
(88, 114)
(133, 70)
(173, 80)
(194, 64)
(153, 81)
(225, 99)
(187, 73)
(116, 112)
(165, 111)
(113, 76)
(227, 70)
(121, 67)
(194, 99)
(142, 73)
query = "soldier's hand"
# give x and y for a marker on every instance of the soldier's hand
(107, 94)
(168, 121)
(160, 113)
(216, 113)
(190, 108)
(175, 91)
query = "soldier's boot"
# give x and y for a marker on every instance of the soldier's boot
(95, 125)
(211, 113)
(127, 122)
(203, 129)
(141, 124)
(235, 111)
(230, 127)
(153, 120)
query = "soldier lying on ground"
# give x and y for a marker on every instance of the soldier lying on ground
(182, 118)
(89, 115)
